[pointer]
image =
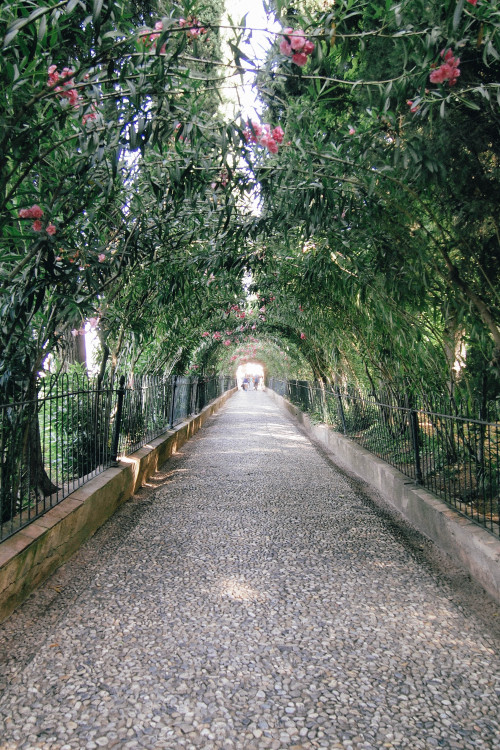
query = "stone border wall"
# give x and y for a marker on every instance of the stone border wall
(469, 545)
(30, 556)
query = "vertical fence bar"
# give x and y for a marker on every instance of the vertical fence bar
(341, 410)
(415, 439)
(172, 402)
(118, 419)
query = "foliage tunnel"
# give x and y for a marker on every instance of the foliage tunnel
(350, 233)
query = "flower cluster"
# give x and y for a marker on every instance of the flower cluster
(448, 71)
(92, 115)
(36, 213)
(151, 39)
(295, 45)
(67, 90)
(264, 136)
(195, 29)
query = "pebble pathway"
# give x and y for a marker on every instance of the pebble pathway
(253, 599)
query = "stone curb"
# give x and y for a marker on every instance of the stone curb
(470, 546)
(32, 554)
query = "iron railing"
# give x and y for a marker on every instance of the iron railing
(76, 427)
(451, 448)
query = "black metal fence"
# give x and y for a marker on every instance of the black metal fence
(452, 448)
(75, 427)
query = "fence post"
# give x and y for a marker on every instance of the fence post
(194, 396)
(172, 403)
(189, 397)
(341, 410)
(414, 429)
(118, 422)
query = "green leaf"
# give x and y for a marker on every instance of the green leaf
(96, 10)
(458, 14)
(42, 29)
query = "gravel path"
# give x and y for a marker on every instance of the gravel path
(250, 597)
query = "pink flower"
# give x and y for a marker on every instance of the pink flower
(50, 229)
(302, 335)
(65, 72)
(256, 131)
(53, 75)
(89, 116)
(205, 334)
(272, 145)
(300, 59)
(413, 107)
(72, 96)
(297, 40)
(37, 226)
(278, 134)
(351, 131)
(36, 212)
(182, 22)
(285, 47)
(472, 2)
(101, 257)
(227, 342)
(217, 335)
(448, 71)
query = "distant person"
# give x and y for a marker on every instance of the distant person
(256, 382)
(245, 384)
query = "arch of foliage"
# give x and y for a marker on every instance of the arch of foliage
(124, 189)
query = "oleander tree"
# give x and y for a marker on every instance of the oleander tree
(108, 148)
(387, 191)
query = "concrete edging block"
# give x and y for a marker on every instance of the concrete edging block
(32, 554)
(470, 546)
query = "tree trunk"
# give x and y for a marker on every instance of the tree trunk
(24, 480)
